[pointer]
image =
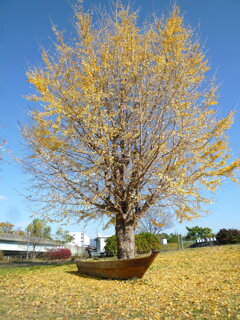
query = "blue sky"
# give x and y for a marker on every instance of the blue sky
(25, 26)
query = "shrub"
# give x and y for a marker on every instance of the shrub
(228, 236)
(60, 253)
(111, 246)
(172, 238)
(144, 242)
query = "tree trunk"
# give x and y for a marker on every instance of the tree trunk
(125, 234)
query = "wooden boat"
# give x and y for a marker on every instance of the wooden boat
(117, 269)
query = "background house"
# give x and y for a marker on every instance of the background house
(81, 239)
(100, 241)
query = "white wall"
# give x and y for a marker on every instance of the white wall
(101, 242)
(76, 250)
(80, 239)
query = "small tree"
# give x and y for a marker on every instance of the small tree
(6, 227)
(19, 232)
(198, 232)
(37, 230)
(63, 236)
(126, 120)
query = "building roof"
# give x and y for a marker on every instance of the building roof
(101, 237)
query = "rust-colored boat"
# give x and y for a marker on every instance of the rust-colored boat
(117, 269)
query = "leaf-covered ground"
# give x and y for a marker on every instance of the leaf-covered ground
(198, 283)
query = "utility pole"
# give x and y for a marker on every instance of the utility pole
(178, 236)
(180, 241)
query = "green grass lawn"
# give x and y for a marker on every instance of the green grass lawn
(201, 283)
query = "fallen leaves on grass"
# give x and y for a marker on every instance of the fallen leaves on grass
(189, 284)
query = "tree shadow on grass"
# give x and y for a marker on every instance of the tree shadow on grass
(86, 276)
(83, 275)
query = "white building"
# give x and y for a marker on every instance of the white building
(163, 241)
(101, 242)
(80, 239)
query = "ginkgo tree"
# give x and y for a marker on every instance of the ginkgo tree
(2, 143)
(155, 222)
(125, 120)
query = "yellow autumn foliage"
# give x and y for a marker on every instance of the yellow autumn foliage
(201, 284)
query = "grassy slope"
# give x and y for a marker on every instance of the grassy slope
(198, 283)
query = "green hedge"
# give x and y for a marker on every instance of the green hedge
(111, 246)
(228, 236)
(144, 242)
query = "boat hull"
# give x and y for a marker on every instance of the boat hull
(117, 269)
